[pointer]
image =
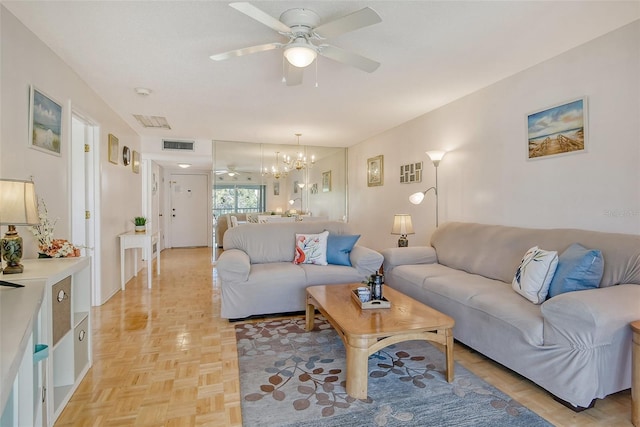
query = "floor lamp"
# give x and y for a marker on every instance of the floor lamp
(417, 198)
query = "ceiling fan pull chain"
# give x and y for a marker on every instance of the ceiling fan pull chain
(284, 79)
(316, 72)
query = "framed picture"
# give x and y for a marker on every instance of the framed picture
(135, 161)
(375, 171)
(326, 181)
(411, 173)
(295, 187)
(113, 149)
(126, 156)
(276, 188)
(45, 122)
(314, 188)
(559, 129)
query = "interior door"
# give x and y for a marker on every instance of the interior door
(189, 210)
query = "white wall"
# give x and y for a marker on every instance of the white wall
(25, 61)
(486, 176)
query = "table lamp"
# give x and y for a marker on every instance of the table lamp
(18, 206)
(402, 225)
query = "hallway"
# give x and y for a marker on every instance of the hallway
(161, 357)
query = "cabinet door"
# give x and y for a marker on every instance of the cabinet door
(61, 308)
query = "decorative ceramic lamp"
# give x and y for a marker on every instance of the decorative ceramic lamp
(402, 225)
(18, 206)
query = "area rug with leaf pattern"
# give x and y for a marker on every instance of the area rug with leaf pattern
(289, 377)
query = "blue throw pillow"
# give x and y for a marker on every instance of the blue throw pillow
(579, 268)
(339, 248)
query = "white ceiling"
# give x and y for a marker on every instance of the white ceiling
(431, 53)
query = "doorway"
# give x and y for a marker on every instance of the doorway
(85, 191)
(189, 210)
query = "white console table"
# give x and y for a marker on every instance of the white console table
(146, 241)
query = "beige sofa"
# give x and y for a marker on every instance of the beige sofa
(257, 272)
(222, 225)
(576, 345)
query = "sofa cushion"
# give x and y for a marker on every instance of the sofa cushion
(534, 274)
(339, 248)
(579, 268)
(311, 248)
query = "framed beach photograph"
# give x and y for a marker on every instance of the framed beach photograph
(556, 130)
(326, 181)
(135, 161)
(113, 149)
(45, 122)
(375, 171)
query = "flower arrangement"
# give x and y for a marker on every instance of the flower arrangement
(48, 246)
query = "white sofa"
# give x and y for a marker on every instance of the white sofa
(576, 345)
(258, 275)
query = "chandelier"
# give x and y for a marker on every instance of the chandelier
(275, 169)
(300, 161)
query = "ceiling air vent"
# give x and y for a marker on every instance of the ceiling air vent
(155, 122)
(178, 145)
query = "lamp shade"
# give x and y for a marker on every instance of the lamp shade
(417, 198)
(436, 156)
(18, 203)
(402, 224)
(299, 54)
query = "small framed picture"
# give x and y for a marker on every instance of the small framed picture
(113, 149)
(314, 188)
(326, 181)
(276, 188)
(135, 161)
(558, 129)
(45, 122)
(375, 171)
(295, 187)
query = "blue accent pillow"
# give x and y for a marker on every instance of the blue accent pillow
(339, 248)
(578, 269)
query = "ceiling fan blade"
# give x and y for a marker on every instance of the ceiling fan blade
(262, 17)
(292, 74)
(349, 58)
(245, 51)
(359, 19)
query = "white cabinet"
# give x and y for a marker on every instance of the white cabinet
(62, 326)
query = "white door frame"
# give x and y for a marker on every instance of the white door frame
(84, 188)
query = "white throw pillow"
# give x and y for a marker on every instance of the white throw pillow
(311, 248)
(534, 274)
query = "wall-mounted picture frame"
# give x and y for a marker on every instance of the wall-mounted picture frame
(557, 130)
(326, 181)
(411, 173)
(375, 171)
(314, 188)
(45, 122)
(113, 149)
(276, 188)
(295, 187)
(135, 161)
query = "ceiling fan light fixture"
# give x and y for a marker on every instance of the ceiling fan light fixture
(300, 54)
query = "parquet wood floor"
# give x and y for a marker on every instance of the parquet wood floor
(164, 357)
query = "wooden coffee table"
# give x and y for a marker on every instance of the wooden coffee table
(365, 332)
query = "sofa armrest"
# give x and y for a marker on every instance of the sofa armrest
(589, 318)
(394, 257)
(233, 266)
(365, 260)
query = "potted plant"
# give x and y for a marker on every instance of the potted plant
(140, 223)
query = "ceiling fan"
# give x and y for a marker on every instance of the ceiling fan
(302, 28)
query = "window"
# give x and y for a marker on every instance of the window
(238, 198)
